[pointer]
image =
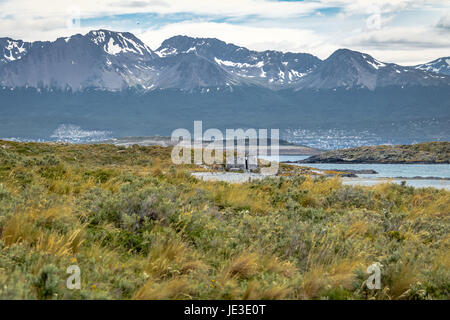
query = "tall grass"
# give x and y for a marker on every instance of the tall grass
(140, 227)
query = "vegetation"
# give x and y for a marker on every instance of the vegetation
(141, 228)
(427, 152)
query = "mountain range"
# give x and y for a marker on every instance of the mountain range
(108, 60)
(111, 84)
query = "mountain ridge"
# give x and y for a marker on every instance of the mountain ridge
(110, 60)
(347, 68)
(440, 65)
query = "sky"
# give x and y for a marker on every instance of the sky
(406, 32)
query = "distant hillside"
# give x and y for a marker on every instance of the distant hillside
(428, 152)
(360, 116)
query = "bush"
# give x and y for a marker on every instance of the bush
(4, 193)
(46, 282)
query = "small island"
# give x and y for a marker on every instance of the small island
(427, 153)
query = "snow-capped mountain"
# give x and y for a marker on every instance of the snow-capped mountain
(113, 61)
(441, 65)
(100, 59)
(268, 68)
(350, 69)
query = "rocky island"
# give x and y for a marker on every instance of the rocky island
(427, 152)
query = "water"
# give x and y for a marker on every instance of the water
(283, 158)
(230, 177)
(333, 138)
(386, 172)
(75, 134)
(68, 133)
(425, 183)
(390, 170)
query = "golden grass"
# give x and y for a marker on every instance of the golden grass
(237, 196)
(60, 245)
(357, 229)
(321, 187)
(18, 229)
(428, 205)
(243, 266)
(175, 288)
(170, 258)
(254, 291)
(22, 228)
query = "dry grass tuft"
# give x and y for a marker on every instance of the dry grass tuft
(243, 266)
(171, 258)
(176, 288)
(60, 245)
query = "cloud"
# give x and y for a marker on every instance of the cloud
(231, 8)
(444, 22)
(252, 37)
(28, 14)
(356, 7)
(407, 38)
(402, 31)
(408, 46)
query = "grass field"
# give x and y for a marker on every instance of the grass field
(140, 227)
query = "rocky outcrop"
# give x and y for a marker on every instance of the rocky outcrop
(429, 152)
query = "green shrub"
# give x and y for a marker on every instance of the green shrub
(46, 282)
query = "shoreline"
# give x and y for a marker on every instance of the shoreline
(367, 162)
(238, 178)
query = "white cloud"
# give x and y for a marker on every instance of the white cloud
(378, 27)
(406, 46)
(444, 22)
(402, 45)
(46, 19)
(256, 38)
(96, 8)
(352, 7)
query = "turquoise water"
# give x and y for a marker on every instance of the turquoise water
(425, 183)
(391, 170)
(386, 171)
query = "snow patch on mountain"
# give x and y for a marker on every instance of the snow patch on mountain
(263, 74)
(10, 57)
(115, 43)
(376, 64)
(166, 52)
(99, 37)
(12, 50)
(260, 64)
(298, 74)
(112, 47)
